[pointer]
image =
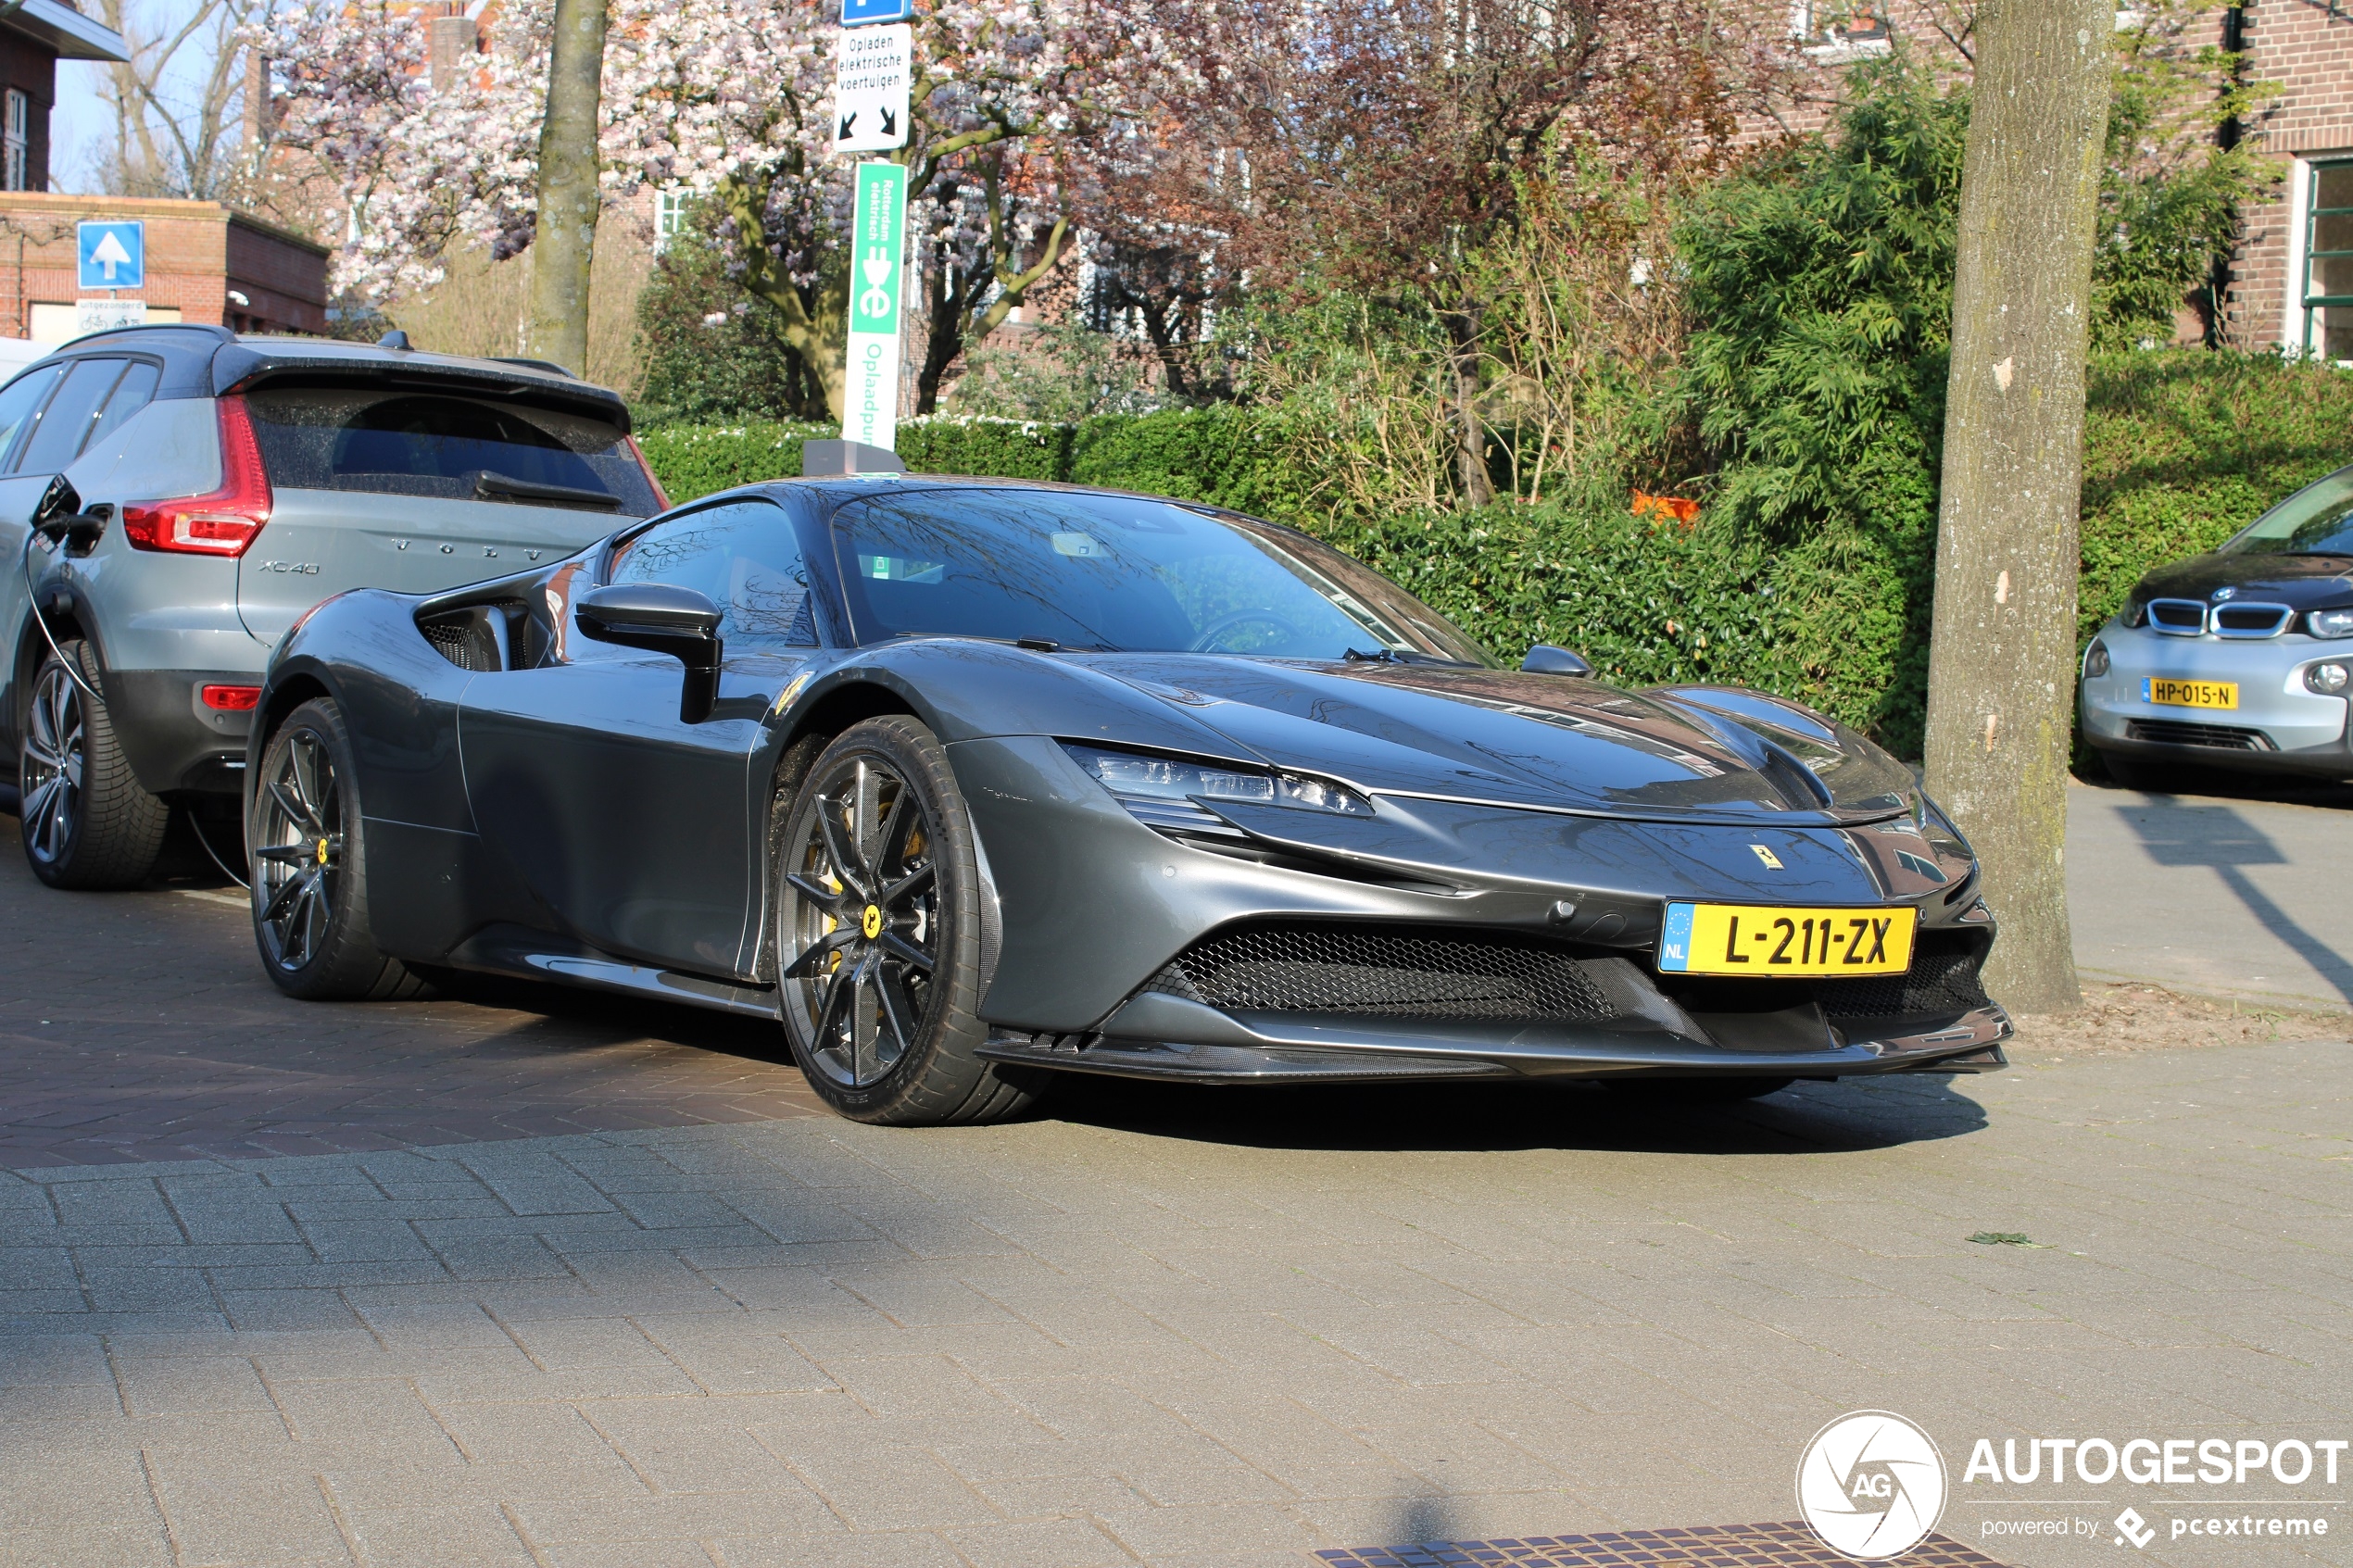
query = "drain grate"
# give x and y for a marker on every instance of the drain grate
(1703, 1546)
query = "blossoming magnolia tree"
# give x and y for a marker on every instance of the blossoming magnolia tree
(730, 100)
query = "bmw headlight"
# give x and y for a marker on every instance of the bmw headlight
(2096, 660)
(1136, 775)
(2330, 623)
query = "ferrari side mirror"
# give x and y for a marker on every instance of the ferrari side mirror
(662, 618)
(1546, 660)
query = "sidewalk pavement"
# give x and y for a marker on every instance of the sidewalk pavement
(2232, 898)
(1178, 1329)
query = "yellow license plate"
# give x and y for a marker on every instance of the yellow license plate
(2190, 694)
(1766, 943)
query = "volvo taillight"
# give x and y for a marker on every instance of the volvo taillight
(222, 523)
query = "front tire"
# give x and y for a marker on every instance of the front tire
(310, 869)
(878, 935)
(87, 822)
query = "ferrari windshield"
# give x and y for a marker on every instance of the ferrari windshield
(2315, 520)
(1119, 572)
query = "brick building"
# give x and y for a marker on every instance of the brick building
(34, 36)
(2290, 284)
(2292, 281)
(205, 262)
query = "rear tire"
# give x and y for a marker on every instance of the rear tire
(310, 869)
(87, 822)
(1697, 1091)
(878, 936)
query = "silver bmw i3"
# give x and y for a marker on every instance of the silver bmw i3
(2242, 657)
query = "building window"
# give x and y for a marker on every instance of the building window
(1833, 34)
(16, 142)
(2327, 272)
(670, 215)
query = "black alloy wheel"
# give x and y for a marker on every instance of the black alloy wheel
(87, 822)
(299, 855)
(877, 935)
(309, 874)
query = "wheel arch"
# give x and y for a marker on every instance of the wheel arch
(286, 694)
(41, 626)
(855, 697)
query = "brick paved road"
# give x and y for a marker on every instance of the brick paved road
(139, 1025)
(1156, 1329)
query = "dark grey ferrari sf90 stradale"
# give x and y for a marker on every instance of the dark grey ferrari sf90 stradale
(970, 783)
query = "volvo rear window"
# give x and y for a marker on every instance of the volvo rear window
(455, 447)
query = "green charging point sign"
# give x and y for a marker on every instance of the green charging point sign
(877, 247)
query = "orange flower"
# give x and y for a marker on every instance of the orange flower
(1665, 509)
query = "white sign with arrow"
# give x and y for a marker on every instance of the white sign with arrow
(873, 67)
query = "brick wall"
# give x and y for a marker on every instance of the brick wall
(1794, 84)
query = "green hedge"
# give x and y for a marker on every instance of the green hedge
(2182, 448)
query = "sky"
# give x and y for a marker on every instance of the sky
(78, 127)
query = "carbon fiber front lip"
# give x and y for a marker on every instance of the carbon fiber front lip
(1157, 1036)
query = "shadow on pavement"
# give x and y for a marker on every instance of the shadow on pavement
(1805, 1118)
(2217, 837)
(2229, 783)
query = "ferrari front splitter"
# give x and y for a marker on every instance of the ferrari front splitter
(1160, 1037)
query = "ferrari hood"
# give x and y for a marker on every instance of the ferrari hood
(1707, 754)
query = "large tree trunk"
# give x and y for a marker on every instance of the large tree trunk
(2002, 655)
(565, 243)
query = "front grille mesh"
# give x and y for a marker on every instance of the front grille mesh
(1938, 983)
(1390, 972)
(2172, 732)
(1405, 972)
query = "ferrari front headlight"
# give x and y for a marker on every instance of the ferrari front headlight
(1140, 775)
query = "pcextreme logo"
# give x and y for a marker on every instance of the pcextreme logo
(1871, 1484)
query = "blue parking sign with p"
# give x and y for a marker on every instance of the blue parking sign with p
(113, 254)
(858, 13)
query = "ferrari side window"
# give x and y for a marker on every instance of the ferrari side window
(743, 556)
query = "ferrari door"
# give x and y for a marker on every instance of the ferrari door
(635, 829)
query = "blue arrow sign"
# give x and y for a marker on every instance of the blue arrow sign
(113, 254)
(858, 13)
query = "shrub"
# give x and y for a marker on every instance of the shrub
(692, 461)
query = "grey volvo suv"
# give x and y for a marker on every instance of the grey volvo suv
(174, 498)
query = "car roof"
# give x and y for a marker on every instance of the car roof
(208, 361)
